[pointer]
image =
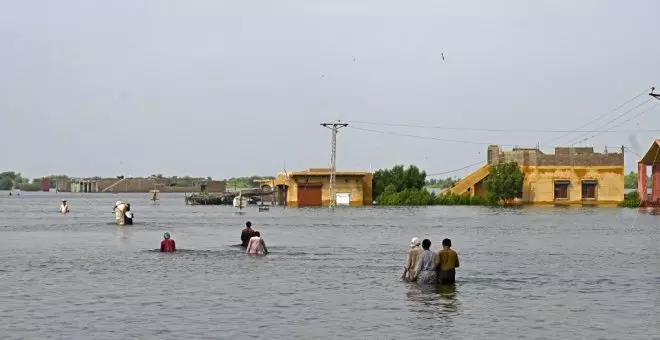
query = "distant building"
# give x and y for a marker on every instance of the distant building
(570, 175)
(137, 185)
(311, 188)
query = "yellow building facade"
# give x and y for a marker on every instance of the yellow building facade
(311, 188)
(569, 176)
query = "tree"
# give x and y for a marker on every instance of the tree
(11, 179)
(399, 178)
(504, 183)
(630, 181)
(6, 183)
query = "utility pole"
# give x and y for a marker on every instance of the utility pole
(333, 158)
(654, 95)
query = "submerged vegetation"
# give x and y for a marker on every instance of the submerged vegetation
(631, 200)
(401, 186)
(454, 199)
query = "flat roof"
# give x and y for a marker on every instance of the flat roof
(327, 173)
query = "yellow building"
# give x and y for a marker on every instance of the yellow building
(312, 188)
(569, 176)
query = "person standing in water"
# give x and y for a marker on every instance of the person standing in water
(425, 270)
(128, 215)
(446, 262)
(246, 234)
(167, 245)
(257, 246)
(64, 207)
(411, 259)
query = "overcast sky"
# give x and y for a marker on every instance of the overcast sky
(230, 88)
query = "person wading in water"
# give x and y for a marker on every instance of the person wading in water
(246, 234)
(167, 245)
(411, 259)
(446, 262)
(425, 269)
(257, 246)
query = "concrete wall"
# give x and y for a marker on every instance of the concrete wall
(541, 171)
(359, 188)
(538, 185)
(144, 185)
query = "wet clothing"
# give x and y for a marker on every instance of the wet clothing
(128, 217)
(120, 213)
(425, 269)
(64, 208)
(411, 260)
(246, 235)
(167, 246)
(257, 246)
(447, 262)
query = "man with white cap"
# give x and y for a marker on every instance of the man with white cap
(411, 259)
(120, 210)
(64, 207)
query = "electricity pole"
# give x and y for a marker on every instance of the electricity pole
(654, 95)
(333, 158)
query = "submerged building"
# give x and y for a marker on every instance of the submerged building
(569, 176)
(311, 188)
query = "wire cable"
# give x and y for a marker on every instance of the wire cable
(625, 121)
(427, 137)
(599, 117)
(611, 120)
(489, 129)
(459, 169)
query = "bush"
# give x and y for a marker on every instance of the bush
(29, 186)
(406, 197)
(631, 200)
(465, 199)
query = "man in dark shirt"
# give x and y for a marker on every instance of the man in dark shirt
(246, 234)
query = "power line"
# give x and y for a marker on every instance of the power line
(459, 169)
(426, 137)
(611, 120)
(599, 117)
(623, 122)
(489, 129)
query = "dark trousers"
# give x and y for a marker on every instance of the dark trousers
(447, 276)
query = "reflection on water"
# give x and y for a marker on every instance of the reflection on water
(438, 300)
(123, 233)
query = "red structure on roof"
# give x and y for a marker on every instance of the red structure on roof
(45, 184)
(652, 159)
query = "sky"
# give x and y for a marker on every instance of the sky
(237, 88)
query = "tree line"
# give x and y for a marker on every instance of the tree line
(407, 187)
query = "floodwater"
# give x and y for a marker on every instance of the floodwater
(531, 273)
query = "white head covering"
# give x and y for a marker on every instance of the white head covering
(415, 242)
(118, 203)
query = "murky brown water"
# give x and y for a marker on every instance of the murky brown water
(533, 273)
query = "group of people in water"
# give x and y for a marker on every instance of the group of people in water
(250, 240)
(428, 267)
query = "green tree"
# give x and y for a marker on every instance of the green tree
(399, 177)
(504, 183)
(406, 197)
(11, 179)
(6, 183)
